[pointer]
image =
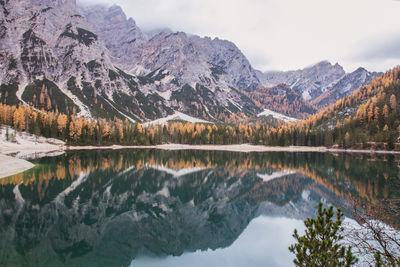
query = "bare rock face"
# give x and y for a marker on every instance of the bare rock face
(199, 76)
(321, 84)
(122, 37)
(190, 59)
(48, 43)
(95, 61)
(81, 62)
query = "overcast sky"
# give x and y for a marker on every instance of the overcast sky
(284, 34)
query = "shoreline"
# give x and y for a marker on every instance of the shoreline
(244, 148)
(15, 151)
(11, 164)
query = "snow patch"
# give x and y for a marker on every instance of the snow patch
(167, 78)
(126, 116)
(275, 175)
(84, 110)
(139, 70)
(235, 104)
(163, 192)
(306, 95)
(20, 91)
(305, 195)
(176, 116)
(277, 115)
(295, 83)
(25, 145)
(166, 95)
(208, 112)
(347, 88)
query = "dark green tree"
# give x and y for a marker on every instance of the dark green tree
(320, 245)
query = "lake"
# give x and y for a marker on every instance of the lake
(179, 208)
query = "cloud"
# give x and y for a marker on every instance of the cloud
(381, 51)
(279, 34)
(380, 48)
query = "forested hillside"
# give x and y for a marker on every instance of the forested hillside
(368, 118)
(283, 99)
(81, 131)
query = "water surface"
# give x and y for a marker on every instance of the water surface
(178, 208)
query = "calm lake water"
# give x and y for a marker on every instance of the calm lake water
(178, 208)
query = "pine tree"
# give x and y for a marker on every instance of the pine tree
(376, 115)
(62, 121)
(393, 102)
(321, 244)
(386, 112)
(370, 113)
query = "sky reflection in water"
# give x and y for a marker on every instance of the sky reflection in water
(264, 242)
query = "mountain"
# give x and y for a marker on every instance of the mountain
(93, 61)
(366, 119)
(53, 58)
(345, 86)
(369, 117)
(197, 76)
(320, 84)
(309, 82)
(188, 58)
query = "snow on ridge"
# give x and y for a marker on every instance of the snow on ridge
(277, 115)
(176, 116)
(126, 116)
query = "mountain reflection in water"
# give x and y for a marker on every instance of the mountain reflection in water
(107, 208)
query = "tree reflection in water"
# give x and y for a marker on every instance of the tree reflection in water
(106, 208)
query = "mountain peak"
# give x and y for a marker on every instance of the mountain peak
(360, 69)
(323, 63)
(116, 14)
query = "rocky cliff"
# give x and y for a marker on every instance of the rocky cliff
(99, 64)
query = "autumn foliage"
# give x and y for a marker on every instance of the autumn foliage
(368, 118)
